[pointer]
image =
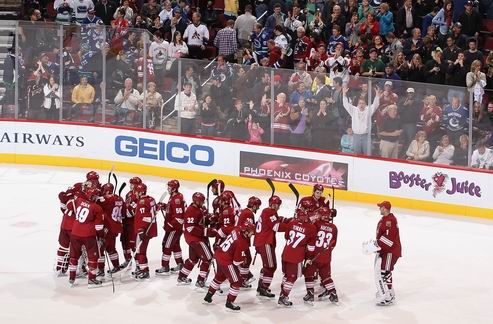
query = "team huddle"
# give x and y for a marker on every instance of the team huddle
(94, 215)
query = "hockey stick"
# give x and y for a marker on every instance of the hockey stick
(116, 182)
(111, 171)
(333, 196)
(121, 188)
(209, 185)
(296, 193)
(111, 275)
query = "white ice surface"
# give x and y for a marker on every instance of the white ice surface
(445, 275)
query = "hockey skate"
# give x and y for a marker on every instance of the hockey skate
(246, 285)
(309, 298)
(71, 283)
(201, 285)
(250, 278)
(94, 283)
(177, 268)
(264, 292)
(125, 264)
(183, 281)
(114, 270)
(284, 301)
(232, 306)
(208, 298)
(164, 271)
(141, 275)
(100, 275)
(60, 273)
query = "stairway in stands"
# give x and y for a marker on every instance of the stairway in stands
(9, 12)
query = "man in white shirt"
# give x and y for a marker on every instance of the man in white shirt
(158, 51)
(127, 101)
(482, 157)
(186, 105)
(361, 119)
(166, 13)
(196, 36)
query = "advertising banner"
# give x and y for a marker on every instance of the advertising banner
(294, 169)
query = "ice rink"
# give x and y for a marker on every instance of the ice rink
(443, 277)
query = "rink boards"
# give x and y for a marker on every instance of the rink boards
(443, 189)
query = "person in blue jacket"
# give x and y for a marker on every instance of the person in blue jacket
(386, 19)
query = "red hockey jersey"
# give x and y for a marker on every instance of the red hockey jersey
(300, 244)
(175, 210)
(326, 240)
(233, 249)
(88, 218)
(267, 226)
(114, 209)
(193, 227)
(388, 235)
(145, 216)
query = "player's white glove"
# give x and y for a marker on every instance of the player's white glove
(370, 246)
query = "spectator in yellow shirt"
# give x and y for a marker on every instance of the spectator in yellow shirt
(83, 93)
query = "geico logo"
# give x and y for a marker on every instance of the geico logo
(176, 152)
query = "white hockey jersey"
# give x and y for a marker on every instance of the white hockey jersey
(196, 35)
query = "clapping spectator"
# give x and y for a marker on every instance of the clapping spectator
(386, 19)
(476, 81)
(127, 13)
(187, 106)
(419, 149)
(436, 68)
(208, 114)
(444, 152)
(152, 105)
(461, 152)
(431, 115)
(126, 101)
(53, 98)
(370, 26)
(364, 9)
(390, 132)
(416, 70)
(347, 141)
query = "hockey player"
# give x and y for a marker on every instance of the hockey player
(66, 227)
(93, 176)
(316, 200)
(113, 207)
(229, 256)
(388, 250)
(265, 244)
(88, 225)
(217, 189)
(326, 241)
(197, 238)
(226, 217)
(145, 229)
(248, 214)
(128, 232)
(301, 236)
(173, 226)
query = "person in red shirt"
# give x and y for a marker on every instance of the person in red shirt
(226, 218)
(145, 229)
(88, 225)
(197, 238)
(388, 250)
(128, 232)
(66, 228)
(248, 215)
(229, 256)
(113, 207)
(325, 243)
(301, 238)
(265, 244)
(173, 226)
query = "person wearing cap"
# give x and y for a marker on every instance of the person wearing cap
(387, 249)
(177, 22)
(390, 73)
(81, 8)
(409, 109)
(390, 132)
(471, 20)
(459, 38)
(373, 66)
(91, 18)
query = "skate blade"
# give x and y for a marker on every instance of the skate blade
(284, 306)
(94, 286)
(207, 303)
(163, 275)
(229, 310)
(309, 303)
(183, 283)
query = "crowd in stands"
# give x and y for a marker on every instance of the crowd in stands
(389, 78)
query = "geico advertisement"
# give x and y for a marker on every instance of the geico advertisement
(431, 183)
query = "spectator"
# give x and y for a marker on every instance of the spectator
(364, 9)
(444, 18)
(157, 27)
(476, 81)
(451, 52)
(317, 25)
(419, 149)
(259, 38)
(150, 9)
(83, 93)
(299, 120)
(152, 105)
(226, 43)
(52, 98)
(276, 19)
(80, 9)
(461, 152)
(347, 141)
(140, 23)
(473, 53)
(237, 122)
(64, 11)
(128, 12)
(324, 123)
(244, 25)
(166, 12)
(456, 77)
(413, 45)
(431, 115)
(482, 157)
(196, 36)
(186, 105)
(394, 46)
(471, 21)
(91, 18)
(381, 48)
(177, 49)
(281, 127)
(119, 28)
(459, 38)
(177, 22)
(302, 46)
(416, 71)
(105, 10)
(300, 92)
(386, 19)
(401, 65)
(159, 52)
(295, 20)
(352, 30)
(406, 19)
(255, 131)
(436, 68)
(337, 18)
(126, 101)
(208, 114)
(300, 75)
(390, 73)
(390, 132)
(335, 39)
(428, 19)
(337, 64)
(409, 114)
(373, 67)
(444, 152)
(369, 27)
(360, 120)
(455, 119)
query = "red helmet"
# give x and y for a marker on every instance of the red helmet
(325, 213)
(140, 188)
(174, 184)
(218, 185)
(275, 200)
(92, 175)
(108, 187)
(198, 198)
(318, 187)
(135, 181)
(302, 216)
(254, 201)
(248, 226)
(307, 204)
(225, 198)
(78, 187)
